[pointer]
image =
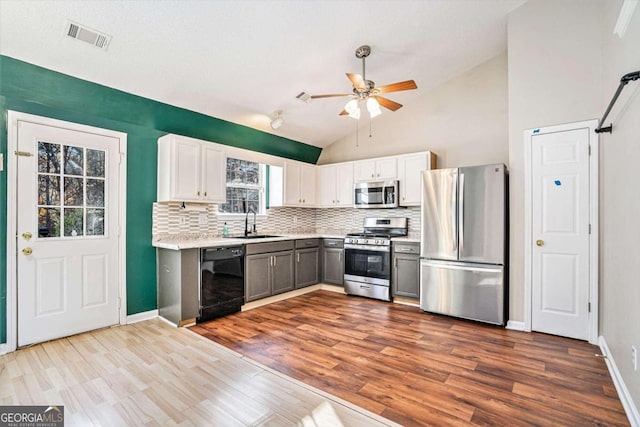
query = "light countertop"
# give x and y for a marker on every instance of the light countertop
(179, 242)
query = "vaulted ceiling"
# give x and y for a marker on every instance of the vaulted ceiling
(242, 60)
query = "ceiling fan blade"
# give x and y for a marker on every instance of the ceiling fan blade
(332, 95)
(396, 87)
(387, 103)
(343, 113)
(357, 81)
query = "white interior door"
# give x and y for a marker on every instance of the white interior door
(67, 232)
(560, 233)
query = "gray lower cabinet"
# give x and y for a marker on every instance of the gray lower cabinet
(178, 284)
(307, 262)
(333, 261)
(257, 275)
(268, 269)
(406, 270)
(282, 272)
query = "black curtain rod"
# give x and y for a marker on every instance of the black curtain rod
(623, 82)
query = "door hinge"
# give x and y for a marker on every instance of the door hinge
(23, 153)
(589, 307)
(589, 228)
(589, 150)
(119, 303)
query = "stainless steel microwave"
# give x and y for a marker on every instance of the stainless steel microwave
(376, 194)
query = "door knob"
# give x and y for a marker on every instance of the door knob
(26, 235)
(27, 251)
(540, 242)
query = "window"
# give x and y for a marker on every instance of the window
(245, 182)
(71, 191)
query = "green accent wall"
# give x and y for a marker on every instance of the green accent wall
(35, 90)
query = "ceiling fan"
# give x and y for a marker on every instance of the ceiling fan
(365, 91)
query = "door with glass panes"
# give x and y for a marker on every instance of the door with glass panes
(67, 222)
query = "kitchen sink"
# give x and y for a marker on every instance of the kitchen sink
(253, 236)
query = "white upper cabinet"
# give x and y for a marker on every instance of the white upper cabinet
(409, 168)
(299, 184)
(335, 186)
(214, 173)
(375, 169)
(190, 170)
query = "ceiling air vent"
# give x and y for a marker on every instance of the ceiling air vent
(87, 35)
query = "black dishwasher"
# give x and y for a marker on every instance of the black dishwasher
(221, 281)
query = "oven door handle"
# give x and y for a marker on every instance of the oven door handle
(370, 248)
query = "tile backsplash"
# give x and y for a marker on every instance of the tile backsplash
(172, 218)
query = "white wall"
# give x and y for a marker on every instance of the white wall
(564, 66)
(620, 200)
(555, 63)
(463, 121)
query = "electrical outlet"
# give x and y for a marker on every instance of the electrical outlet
(295, 219)
(183, 219)
(203, 219)
(634, 357)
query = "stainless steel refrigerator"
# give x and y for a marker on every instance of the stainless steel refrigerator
(463, 250)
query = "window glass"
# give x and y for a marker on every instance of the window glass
(71, 191)
(245, 182)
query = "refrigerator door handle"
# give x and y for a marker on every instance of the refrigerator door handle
(454, 214)
(461, 214)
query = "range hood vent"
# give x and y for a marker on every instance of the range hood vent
(87, 35)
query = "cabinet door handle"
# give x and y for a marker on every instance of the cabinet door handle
(340, 256)
(298, 258)
(205, 194)
(274, 260)
(373, 175)
(395, 262)
(198, 193)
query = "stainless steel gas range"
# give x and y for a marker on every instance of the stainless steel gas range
(367, 266)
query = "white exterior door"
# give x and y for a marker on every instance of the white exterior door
(560, 233)
(67, 232)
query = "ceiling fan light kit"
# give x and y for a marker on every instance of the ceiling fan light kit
(366, 90)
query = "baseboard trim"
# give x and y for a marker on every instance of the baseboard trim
(5, 348)
(623, 392)
(140, 317)
(515, 325)
(332, 288)
(280, 297)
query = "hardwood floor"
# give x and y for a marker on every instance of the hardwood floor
(420, 369)
(153, 374)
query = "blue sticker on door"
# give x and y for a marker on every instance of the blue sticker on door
(557, 182)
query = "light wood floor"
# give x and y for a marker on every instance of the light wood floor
(151, 373)
(420, 369)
